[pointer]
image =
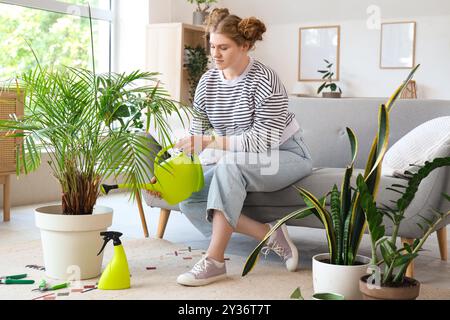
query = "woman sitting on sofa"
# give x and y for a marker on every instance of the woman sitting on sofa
(246, 104)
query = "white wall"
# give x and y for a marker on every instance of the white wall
(360, 73)
(129, 34)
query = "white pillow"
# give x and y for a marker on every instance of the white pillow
(424, 143)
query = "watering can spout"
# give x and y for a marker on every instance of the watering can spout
(105, 188)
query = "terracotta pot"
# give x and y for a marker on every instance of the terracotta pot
(408, 291)
(331, 94)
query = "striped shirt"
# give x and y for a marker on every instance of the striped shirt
(252, 109)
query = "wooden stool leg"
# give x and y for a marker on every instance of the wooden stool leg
(6, 199)
(163, 217)
(442, 240)
(410, 269)
(141, 213)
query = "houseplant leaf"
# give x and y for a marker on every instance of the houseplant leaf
(253, 257)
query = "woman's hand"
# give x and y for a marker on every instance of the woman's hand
(193, 144)
(152, 192)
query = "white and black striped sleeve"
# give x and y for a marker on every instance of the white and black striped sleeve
(200, 122)
(268, 125)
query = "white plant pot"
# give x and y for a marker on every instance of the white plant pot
(70, 243)
(339, 279)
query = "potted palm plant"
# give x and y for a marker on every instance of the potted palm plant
(339, 270)
(200, 14)
(391, 283)
(89, 126)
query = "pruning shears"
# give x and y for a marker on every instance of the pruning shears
(15, 279)
(44, 286)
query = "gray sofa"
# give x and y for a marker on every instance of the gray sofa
(323, 123)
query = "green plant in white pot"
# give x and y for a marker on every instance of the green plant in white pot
(88, 125)
(389, 280)
(339, 270)
(200, 14)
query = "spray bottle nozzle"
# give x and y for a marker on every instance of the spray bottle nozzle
(110, 235)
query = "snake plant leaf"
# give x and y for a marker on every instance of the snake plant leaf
(400, 89)
(345, 239)
(371, 159)
(310, 205)
(346, 192)
(372, 178)
(325, 216)
(254, 256)
(382, 141)
(335, 206)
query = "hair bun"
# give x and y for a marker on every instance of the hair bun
(217, 15)
(252, 29)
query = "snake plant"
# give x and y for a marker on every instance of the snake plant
(345, 222)
(396, 260)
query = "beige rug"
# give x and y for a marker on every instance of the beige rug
(154, 267)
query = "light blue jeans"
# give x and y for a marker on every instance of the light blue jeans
(228, 181)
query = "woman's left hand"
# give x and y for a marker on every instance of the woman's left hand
(193, 144)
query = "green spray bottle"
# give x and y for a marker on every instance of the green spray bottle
(116, 276)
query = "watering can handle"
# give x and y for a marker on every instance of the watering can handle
(161, 153)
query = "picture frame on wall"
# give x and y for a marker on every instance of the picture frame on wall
(315, 45)
(397, 45)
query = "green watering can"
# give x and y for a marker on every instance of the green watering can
(177, 177)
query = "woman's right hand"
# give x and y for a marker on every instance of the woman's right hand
(152, 192)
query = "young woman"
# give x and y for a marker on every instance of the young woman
(246, 105)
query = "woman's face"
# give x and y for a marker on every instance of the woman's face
(226, 52)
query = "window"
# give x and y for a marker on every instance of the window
(57, 31)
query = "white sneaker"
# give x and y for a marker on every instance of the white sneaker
(280, 243)
(204, 272)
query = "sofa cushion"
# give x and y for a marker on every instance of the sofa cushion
(424, 143)
(319, 183)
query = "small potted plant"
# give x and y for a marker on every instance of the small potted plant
(339, 270)
(391, 283)
(335, 91)
(201, 13)
(196, 65)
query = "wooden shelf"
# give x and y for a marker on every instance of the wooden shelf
(165, 54)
